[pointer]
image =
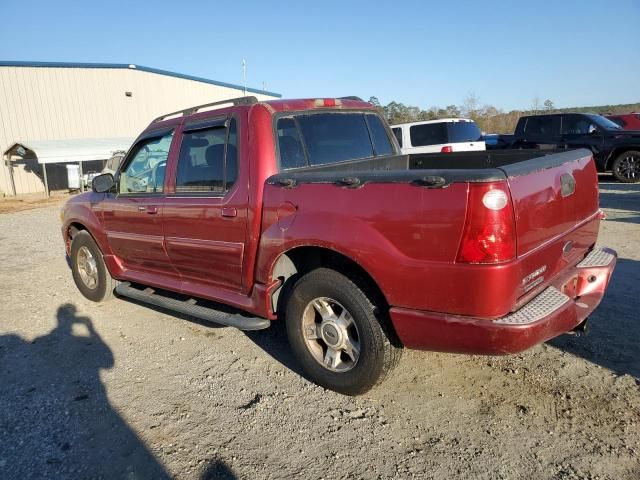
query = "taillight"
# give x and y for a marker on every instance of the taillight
(446, 149)
(489, 227)
(328, 102)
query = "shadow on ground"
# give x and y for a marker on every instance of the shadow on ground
(274, 342)
(614, 327)
(624, 198)
(55, 418)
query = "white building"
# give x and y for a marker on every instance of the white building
(47, 103)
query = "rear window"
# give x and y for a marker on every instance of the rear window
(397, 132)
(542, 126)
(379, 137)
(428, 134)
(322, 138)
(463, 132)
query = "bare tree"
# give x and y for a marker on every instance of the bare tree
(470, 105)
(535, 104)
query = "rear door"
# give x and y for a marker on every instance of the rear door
(465, 136)
(205, 212)
(133, 215)
(541, 131)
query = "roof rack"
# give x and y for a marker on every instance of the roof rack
(191, 110)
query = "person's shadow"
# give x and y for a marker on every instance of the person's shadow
(55, 418)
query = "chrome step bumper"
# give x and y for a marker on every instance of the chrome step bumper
(598, 257)
(552, 298)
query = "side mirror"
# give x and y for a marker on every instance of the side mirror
(103, 183)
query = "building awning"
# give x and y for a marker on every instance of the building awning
(72, 150)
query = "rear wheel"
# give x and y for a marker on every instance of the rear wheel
(626, 167)
(89, 270)
(335, 331)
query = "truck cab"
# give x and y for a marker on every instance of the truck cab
(613, 148)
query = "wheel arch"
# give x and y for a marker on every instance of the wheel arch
(76, 226)
(616, 152)
(298, 260)
(72, 230)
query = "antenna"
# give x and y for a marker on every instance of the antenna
(244, 76)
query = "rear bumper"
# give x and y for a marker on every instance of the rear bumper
(558, 309)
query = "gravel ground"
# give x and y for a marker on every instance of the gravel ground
(119, 390)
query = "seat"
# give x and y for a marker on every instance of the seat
(212, 172)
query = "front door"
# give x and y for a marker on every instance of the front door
(205, 214)
(133, 214)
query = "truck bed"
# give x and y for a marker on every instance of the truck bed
(404, 216)
(481, 166)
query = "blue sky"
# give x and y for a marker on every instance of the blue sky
(420, 53)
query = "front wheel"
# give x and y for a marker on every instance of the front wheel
(89, 270)
(626, 167)
(335, 331)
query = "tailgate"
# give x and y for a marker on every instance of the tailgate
(555, 200)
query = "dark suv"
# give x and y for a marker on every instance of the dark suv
(614, 149)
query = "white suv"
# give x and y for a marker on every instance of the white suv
(439, 136)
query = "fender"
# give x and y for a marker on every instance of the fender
(351, 237)
(80, 210)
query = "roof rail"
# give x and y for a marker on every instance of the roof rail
(191, 110)
(351, 97)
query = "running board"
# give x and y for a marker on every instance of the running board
(189, 307)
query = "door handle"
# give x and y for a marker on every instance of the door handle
(150, 209)
(229, 212)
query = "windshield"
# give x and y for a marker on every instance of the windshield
(604, 122)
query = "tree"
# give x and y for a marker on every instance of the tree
(452, 111)
(548, 105)
(375, 101)
(470, 105)
(535, 104)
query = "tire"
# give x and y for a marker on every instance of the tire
(626, 167)
(352, 323)
(89, 270)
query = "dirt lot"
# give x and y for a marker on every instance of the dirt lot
(28, 202)
(118, 390)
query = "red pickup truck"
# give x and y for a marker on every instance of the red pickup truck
(305, 210)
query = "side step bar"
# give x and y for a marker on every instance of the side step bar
(189, 307)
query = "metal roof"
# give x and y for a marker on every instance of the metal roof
(131, 66)
(72, 150)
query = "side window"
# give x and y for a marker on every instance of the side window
(381, 143)
(144, 173)
(576, 125)
(397, 132)
(290, 145)
(208, 160)
(542, 127)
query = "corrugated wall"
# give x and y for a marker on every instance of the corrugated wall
(45, 103)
